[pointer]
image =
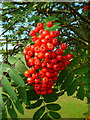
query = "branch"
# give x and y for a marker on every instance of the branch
(77, 13)
(8, 28)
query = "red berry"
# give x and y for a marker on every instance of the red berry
(37, 80)
(32, 32)
(48, 38)
(27, 73)
(34, 38)
(40, 25)
(37, 29)
(45, 80)
(63, 46)
(35, 75)
(30, 80)
(69, 56)
(48, 74)
(50, 91)
(41, 55)
(37, 87)
(49, 24)
(50, 46)
(41, 73)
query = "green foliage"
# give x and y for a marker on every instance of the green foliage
(16, 77)
(54, 107)
(50, 97)
(54, 115)
(39, 113)
(72, 88)
(80, 94)
(8, 88)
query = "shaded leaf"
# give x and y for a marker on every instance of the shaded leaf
(46, 117)
(22, 94)
(53, 106)
(19, 107)
(31, 95)
(12, 112)
(16, 77)
(80, 93)
(36, 104)
(39, 113)
(50, 97)
(72, 88)
(67, 82)
(54, 115)
(82, 69)
(4, 115)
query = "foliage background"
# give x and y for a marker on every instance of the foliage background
(18, 18)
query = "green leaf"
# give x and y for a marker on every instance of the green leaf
(72, 88)
(80, 93)
(20, 66)
(67, 82)
(8, 88)
(39, 113)
(88, 95)
(84, 79)
(12, 112)
(5, 67)
(16, 77)
(54, 115)
(74, 62)
(1, 72)
(19, 107)
(12, 60)
(19, 55)
(53, 106)
(31, 95)
(62, 76)
(36, 104)
(4, 115)
(22, 94)
(50, 97)
(82, 69)
(50, 18)
(46, 117)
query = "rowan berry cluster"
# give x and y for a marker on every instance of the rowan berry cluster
(44, 59)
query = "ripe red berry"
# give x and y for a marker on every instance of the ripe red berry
(37, 87)
(27, 73)
(48, 74)
(32, 32)
(55, 41)
(34, 38)
(49, 24)
(37, 29)
(69, 56)
(30, 80)
(41, 55)
(50, 46)
(63, 46)
(45, 80)
(48, 38)
(35, 75)
(37, 80)
(40, 25)
(50, 91)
